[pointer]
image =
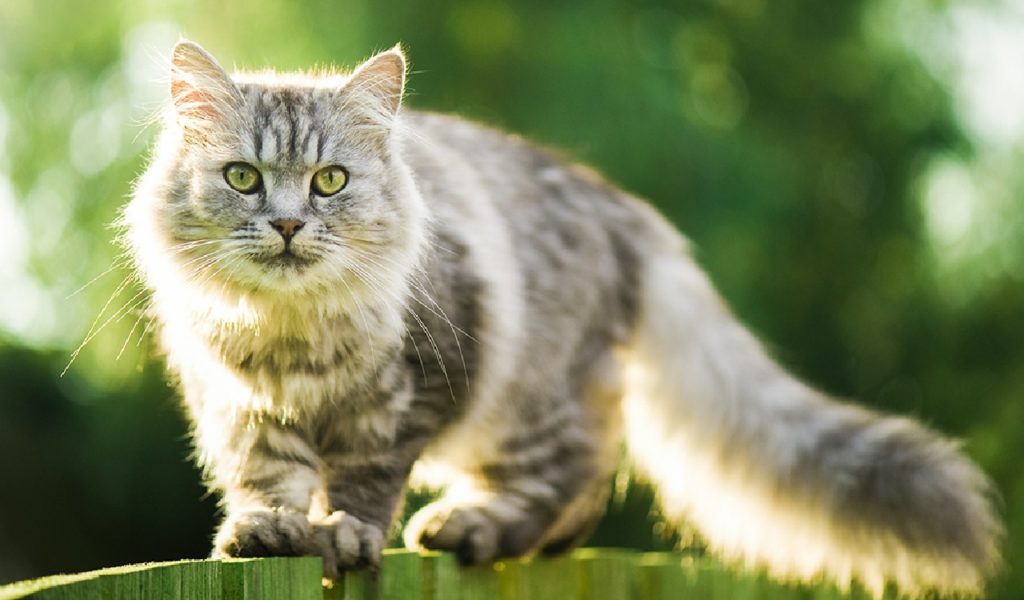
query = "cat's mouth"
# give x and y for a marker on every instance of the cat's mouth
(286, 259)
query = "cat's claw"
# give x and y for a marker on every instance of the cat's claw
(344, 542)
(265, 532)
(347, 543)
(476, 534)
(466, 531)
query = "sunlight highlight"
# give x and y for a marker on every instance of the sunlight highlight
(950, 199)
(989, 45)
(26, 310)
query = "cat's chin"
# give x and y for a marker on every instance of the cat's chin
(285, 272)
(287, 261)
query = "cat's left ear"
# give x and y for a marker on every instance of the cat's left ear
(379, 82)
(202, 92)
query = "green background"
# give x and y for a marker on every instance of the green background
(854, 200)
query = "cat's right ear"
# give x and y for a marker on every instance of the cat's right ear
(375, 88)
(202, 92)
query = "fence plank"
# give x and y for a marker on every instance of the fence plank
(195, 579)
(550, 578)
(403, 578)
(588, 574)
(272, 578)
(360, 585)
(605, 574)
(439, 572)
(660, 577)
(510, 573)
(473, 583)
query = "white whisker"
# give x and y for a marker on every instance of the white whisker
(439, 312)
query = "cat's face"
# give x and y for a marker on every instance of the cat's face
(287, 183)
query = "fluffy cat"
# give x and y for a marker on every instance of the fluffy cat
(347, 290)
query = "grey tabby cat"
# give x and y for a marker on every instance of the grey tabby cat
(355, 296)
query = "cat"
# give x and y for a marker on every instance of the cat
(353, 295)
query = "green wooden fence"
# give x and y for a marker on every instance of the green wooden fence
(586, 574)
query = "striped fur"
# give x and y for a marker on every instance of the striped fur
(473, 314)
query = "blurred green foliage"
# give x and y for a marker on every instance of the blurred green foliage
(815, 152)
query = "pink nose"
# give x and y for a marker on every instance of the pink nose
(287, 227)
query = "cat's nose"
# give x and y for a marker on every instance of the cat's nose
(287, 227)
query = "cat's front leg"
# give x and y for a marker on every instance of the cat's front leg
(364, 490)
(269, 475)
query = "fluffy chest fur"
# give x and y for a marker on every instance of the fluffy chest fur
(288, 363)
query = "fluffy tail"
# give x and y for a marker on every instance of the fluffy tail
(776, 475)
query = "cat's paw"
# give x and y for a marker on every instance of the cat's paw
(265, 532)
(476, 534)
(347, 543)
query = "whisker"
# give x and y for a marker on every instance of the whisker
(418, 286)
(366, 325)
(118, 262)
(368, 279)
(439, 313)
(96, 330)
(128, 337)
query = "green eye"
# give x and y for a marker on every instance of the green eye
(243, 177)
(329, 180)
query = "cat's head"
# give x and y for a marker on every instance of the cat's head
(282, 184)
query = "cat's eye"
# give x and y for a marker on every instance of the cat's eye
(243, 177)
(329, 180)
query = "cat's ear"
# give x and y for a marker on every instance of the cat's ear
(202, 92)
(379, 83)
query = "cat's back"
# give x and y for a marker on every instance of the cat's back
(575, 241)
(493, 154)
(536, 190)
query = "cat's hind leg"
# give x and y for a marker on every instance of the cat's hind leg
(544, 488)
(508, 508)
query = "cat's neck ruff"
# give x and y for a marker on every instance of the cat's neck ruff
(293, 314)
(282, 357)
